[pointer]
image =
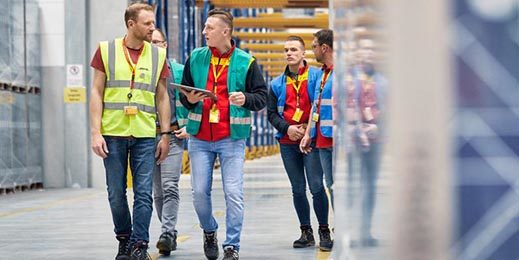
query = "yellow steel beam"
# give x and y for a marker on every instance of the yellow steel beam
(283, 63)
(279, 36)
(320, 21)
(267, 3)
(278, 55)
(266, 46)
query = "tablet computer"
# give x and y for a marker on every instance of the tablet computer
(205, 92)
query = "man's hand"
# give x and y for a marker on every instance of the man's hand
(162, 148)
(193, 97)
(295, 132)
(181, 133)
(99, 145)
(237, 98)
(304, 145)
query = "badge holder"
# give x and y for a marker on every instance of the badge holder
(297, 115)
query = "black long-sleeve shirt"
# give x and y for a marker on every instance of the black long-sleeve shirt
(255, 88)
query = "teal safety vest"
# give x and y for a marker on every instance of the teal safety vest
(177, 70)
(240, 118)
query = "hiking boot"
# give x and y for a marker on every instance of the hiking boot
(210, 245)
(167, 243)
(140, 251)
(325, 239)
(306, 239)
(229, 253)
(124, 248)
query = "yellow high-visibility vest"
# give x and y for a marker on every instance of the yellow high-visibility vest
(117, 87)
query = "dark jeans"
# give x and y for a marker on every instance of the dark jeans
(141, 152)
(326, 156)
(295, 164)
(370, 162)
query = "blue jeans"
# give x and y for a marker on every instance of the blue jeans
(326, 156)
(295, 164)
(370, 162)
(142, 162)
(232, 155)
(165, 186)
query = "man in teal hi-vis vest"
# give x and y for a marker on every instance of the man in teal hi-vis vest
(220, 127)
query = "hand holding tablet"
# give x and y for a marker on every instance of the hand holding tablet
(194, 94)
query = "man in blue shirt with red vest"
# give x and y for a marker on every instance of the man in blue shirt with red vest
(220, 127)
(290, 100)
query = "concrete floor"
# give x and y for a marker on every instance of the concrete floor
(76, 223)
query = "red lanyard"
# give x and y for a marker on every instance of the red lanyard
(130, 62)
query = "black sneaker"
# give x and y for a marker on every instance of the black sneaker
(229, 253)
(211, 246)
(167, 243)
(140, 251)
(325, 239)
(306, 239)
(124, 248)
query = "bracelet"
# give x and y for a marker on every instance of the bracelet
(166, 133)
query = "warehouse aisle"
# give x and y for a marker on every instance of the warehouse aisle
(76, 223)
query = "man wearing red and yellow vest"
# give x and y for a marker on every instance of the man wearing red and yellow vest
(321, 120)
(129, 75)
(220, 127)
(289, 105)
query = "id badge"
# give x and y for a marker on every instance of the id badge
(315, 117)
(297, 115)
(131, 110)
(367, 114)
(214, 115)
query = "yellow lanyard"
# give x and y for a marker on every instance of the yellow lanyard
(216, 77)
(297, 85)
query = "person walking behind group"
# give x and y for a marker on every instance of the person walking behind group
(321, 120)
(129, 75)
(289, 103)
(220, 127)
(166, 194)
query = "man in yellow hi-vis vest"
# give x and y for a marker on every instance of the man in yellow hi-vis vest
(129, 77)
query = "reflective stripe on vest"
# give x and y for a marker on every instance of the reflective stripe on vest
(194, 117)
(240, 120)
(120, 106)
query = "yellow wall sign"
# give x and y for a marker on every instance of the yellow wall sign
(74, 95)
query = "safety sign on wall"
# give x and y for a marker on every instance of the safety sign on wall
(74, 75)
(74, 95)
(74, 91)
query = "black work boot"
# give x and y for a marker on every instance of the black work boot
(167, 243)
(210, 245)
(124, 247)
(140, 251)
(306, 239)
(325, 239)
(230, 253)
